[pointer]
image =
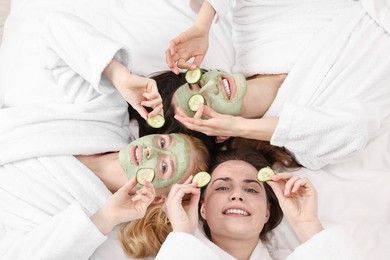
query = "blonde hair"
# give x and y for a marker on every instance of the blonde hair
(143, 237)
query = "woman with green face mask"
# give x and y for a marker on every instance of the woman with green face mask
(317, 97)
(314, 125)
(173, 158)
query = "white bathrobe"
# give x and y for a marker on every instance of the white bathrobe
(332, 243)
(336, 96)
(45, 207)
(46, 194)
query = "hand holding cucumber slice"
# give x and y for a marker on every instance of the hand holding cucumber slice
(202, 179)
(156, 122)
(145, 174)
(194, 101)
(265, 174)
(193, 76)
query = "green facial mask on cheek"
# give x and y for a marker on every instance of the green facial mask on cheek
(218, 100)
(180, 150)
(181, 96)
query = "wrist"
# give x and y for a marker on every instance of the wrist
(258, 129)
(103, 221)
(205, 17)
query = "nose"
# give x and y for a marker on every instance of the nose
(151, 152)
(147, 152)
(236, 195)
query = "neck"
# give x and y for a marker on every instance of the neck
(241, 249)
(107, 168)
(261, 92)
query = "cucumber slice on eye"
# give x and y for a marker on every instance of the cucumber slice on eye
(202, 179)
(265, 174)
(145, 174)
(194, 101)
(156, 122)
(193, 76)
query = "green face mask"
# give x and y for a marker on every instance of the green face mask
(223, 92)
(168, 155)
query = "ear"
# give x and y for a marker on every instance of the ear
(267, 214)
(203, 211)
(160, 199)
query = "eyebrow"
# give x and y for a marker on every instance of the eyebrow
(228, 179)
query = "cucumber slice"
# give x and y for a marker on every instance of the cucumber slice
(194, 101)
(193, 76)
(265, 174)
(202, 179)
(156, 122)
(145, 174)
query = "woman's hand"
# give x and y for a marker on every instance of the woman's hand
(216, 124)
(123, 206)
(138, 91)
(226, 126)
(298, 200)
(184, 218)
(192, 43)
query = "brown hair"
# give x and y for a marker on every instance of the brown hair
(258, 160)
(277, 156)
(144, 237)
(167, 83)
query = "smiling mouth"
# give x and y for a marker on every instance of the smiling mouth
(137, 152)
(227, 87)
(236, 212)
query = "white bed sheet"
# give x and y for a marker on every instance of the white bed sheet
(353, 193)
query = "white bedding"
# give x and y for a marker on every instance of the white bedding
(353, 193)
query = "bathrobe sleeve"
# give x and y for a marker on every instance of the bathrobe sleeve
(327, 133)
(221, 7)
(332, 243)
(73, 43)
(68, 235)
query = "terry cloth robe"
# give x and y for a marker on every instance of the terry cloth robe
(77, 112)
(336, 97)
(45, 204)
(332, 243)
(46, 194)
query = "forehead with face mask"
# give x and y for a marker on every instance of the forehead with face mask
(222, 91)
(168, 155)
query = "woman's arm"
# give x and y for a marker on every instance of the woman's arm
(298, 200)
(138, 91)
(192, 43)
(123, 206)
(227, 125)
(78, 65)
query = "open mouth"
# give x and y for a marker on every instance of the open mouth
(228, 87)
(236, 212)
(136, 155)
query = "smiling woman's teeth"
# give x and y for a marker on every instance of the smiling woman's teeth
(227, 89)
(236, 211)
(136, 154)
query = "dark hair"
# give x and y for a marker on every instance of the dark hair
(277, 156)
(259, 161)
(167, 83)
